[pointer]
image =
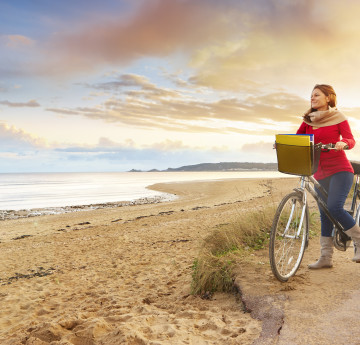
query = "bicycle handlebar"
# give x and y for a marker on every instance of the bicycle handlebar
(331, 146)
(325, 147)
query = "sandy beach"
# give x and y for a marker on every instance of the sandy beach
(122, 275)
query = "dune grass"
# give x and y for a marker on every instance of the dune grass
(229, 245)
(226, 246)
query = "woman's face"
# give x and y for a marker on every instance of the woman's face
(319, 100)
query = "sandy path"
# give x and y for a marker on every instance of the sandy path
(315, 307)
(324, 306)
(122, 276)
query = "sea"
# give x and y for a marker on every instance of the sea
(43, 190)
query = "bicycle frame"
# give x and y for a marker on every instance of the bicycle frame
(306, 184)
(309, 182)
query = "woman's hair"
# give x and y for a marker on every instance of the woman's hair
(328, 91)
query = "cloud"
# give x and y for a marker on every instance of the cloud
(17, 41)
(32, 104)
(128, 155)
(166, 145)
(260, 148)
(230, 35)
(133, 100)
(23, 152)
(107, 145)
(135, 85)
(64, 111)
(13, 139)
(161, 155)
(283, 44)
(158, 28)
(232, 45)
(242, 46)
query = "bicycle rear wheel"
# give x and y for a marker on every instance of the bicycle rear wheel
(289, 236)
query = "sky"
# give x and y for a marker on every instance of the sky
(115, 85)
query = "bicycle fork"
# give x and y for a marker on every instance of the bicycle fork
(299, 227)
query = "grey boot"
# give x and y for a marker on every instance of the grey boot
(354, 233)
(327, 250)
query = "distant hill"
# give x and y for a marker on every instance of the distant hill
(226, 166)
(223, 166)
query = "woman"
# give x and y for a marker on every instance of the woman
(335, 173)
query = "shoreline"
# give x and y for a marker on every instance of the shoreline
(60, 192)
(43, 211)
(165, 196)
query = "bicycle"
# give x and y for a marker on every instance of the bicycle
(289, 234)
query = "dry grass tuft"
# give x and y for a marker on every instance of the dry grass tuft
(226, 246)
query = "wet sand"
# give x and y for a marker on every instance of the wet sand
(122, 275)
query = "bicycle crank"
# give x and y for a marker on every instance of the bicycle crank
(341, 240)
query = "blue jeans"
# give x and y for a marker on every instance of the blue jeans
(338, 187)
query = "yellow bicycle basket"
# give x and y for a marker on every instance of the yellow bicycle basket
(297, 154)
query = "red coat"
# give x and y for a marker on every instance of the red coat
(333, 161)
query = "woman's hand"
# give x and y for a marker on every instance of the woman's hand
(340, 145)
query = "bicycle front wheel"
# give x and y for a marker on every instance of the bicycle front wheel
(289, 236)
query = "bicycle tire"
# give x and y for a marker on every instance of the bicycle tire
(286, 250)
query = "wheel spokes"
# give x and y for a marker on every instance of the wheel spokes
(289, 234)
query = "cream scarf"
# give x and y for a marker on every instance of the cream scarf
(323, 118)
